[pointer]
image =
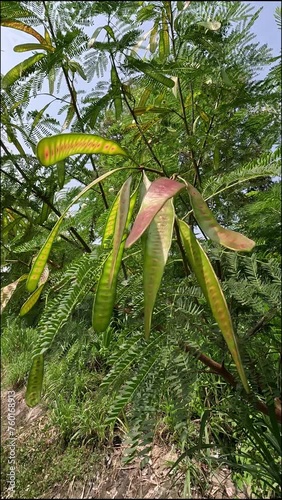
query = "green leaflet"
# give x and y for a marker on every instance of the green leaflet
(106, 290)
(24, 47)
(201, 266)
(43, 255)
(18, 25)
(121, 218)
(19, 70)
(52, 149)
(35, 379)
(156, 245)
(211, 228)
(31, 301)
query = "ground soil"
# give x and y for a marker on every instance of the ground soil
(113, 479)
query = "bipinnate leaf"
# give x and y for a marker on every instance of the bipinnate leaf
(51, 150)
(35, 381)
(211, 228)
(160, 191)
(106, 289)
(156, 245)
(207, 279)
(42, 257)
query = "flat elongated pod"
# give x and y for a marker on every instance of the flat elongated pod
(61, 173)
(19, 70)
(211, 228)
(106, 289)
(207, 279)
(31, 301)
(19, 25)
(51, 150)
(156, 245)
(42, 257)
(160, 191)
(25, 47)
(121, 217)
(110, 223)
(35, 381)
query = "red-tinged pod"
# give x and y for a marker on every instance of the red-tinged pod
(213, 230)
(51, 150)
(157, 242)
(106, 289)
(35, 381)
(42, 257)
(208, 281)
(160, 191)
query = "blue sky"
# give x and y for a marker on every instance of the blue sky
(265, 28)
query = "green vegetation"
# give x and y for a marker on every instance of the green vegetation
(140, 246)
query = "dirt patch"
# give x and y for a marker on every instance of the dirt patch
(108, 477)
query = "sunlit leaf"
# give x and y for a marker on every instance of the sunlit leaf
(53, 149)
(201, 266)
(211, 228)
(159, 192)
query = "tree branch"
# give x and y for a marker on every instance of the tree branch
(230, 379)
